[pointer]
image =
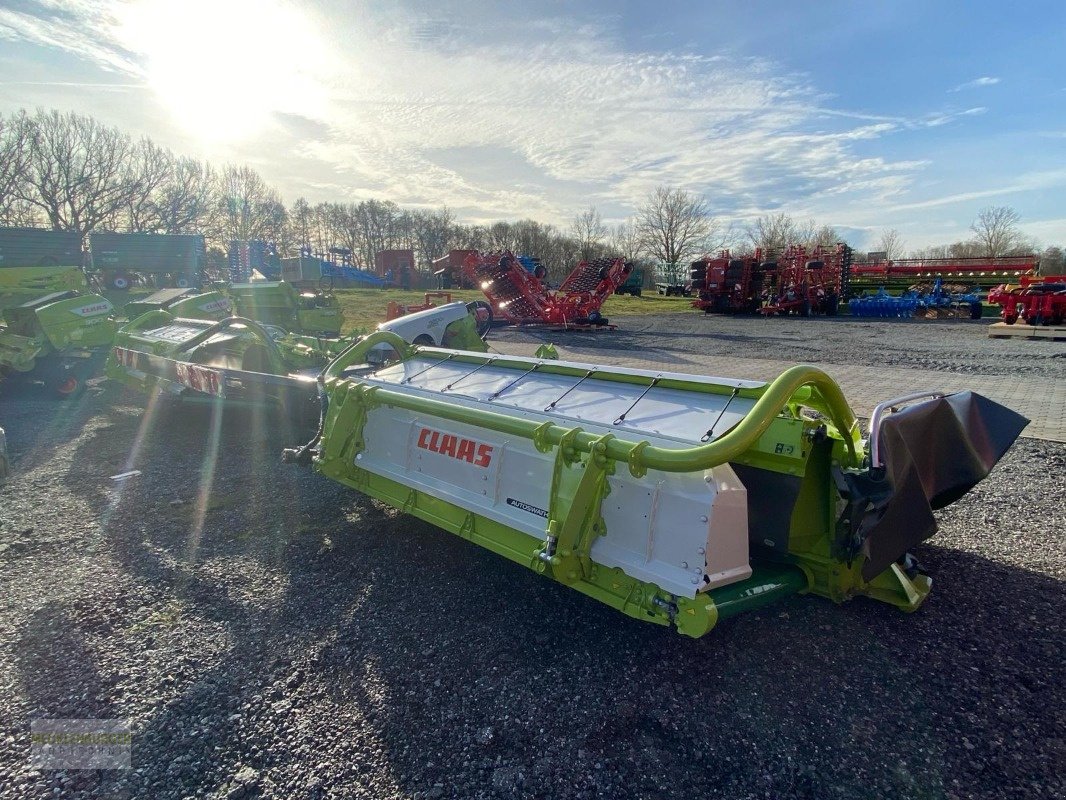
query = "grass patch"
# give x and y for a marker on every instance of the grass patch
(624, 305)
(365, 308)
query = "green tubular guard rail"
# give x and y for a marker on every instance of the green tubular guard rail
(639, 456)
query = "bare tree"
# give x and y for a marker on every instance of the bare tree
(891, 244)
(186, 202)
(589, 231)
(247, 207)
(824, 236)
(433, 232)
(147, 171)
(1051, 261)
(377, 220)
(501, 236)
(996, 229)
(674, 225)
(14, 158)
(625, 240)
(77, 171)
(772, 233)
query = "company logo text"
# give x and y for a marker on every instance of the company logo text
(447, 444)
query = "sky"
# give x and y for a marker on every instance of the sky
(862, 115)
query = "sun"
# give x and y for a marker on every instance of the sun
(222, 68)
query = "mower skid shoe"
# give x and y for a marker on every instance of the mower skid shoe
(933, 452)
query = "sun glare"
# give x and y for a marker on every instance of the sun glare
(223, 67)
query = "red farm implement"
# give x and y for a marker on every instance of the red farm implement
(1037, 301)
(806, 283)
(519, 296)
(902, 273)
(728, 285)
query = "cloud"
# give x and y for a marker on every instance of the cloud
(976, 83)
(500, 117)
(936, 120)
(1030, 181)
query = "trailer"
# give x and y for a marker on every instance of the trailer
(670, 280)
(1034, 301)
(633, 285)
(518, 294)
(123, 260)
(679, 500)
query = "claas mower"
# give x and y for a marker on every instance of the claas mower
(59, 340)
(310, 312)
(676, 499)
(240, 362)
(182, 302)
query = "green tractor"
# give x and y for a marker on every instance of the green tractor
(58, 340)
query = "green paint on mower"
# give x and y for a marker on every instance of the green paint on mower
(308, 312)
(676, 499)
(58, 339)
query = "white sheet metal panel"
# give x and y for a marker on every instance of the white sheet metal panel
(674, 414)
(683, 532)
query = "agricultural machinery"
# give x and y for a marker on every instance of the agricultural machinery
(448, 270)
(728, 285)
(306, 311)
(922, 301)
(677, 499)
(246, 257)
(181, 303)
(900, 274)
(518, 295)
(36, 262)
(806, 283)
(796, 282)
(123, 260)
(59, 340)
(239, 362)
(1036, 301)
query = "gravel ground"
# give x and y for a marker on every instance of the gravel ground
(276, 635)
(959, 346)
